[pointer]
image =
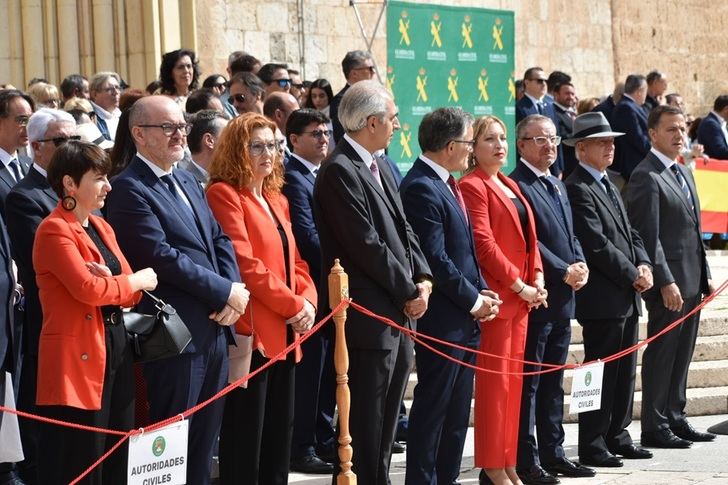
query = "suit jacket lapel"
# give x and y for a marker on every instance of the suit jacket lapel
(506, 202)
(6, 177)
(620, 219)
(543, 192)
(443, 188)
(295, 164)
(197, 210)
(366, 174)
(670, 180)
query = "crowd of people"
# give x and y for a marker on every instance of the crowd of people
(231, 198)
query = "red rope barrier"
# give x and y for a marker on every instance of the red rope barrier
(419, 337)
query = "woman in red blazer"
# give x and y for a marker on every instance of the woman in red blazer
(505, 244)
(84, 360)
(244, 194)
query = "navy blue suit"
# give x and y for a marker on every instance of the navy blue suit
(711, 136)
(525, 107)
(439, 416)
(196, 266)
(549, 329)
(315, 398)
(606, 107)
(629, 118)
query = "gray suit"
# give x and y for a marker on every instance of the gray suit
(670, 230)
(187, 164)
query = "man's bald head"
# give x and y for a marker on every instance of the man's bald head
(149, 118)
(278, 107)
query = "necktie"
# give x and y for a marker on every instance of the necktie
(539, 107)
(611, 194)
(375, 171)
(683, 185)
(554, 192)
(314, 172)
(458, 195)
(169, 182)
(14, 169)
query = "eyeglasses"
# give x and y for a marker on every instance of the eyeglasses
(170, 129)
(22, 120)
(469, 143)
(371, 69)
(60, 140)
(297, 86)
(537, 79)
(319, 133)
(111, 89)
(282, 82)
(543, 140)
(238, 98)
(257, 148)
(221, 85)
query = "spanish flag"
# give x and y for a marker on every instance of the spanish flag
(711, 178)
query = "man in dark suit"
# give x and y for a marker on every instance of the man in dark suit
(27, 204)
(357, 66)
(10, 335)
(361, 221)
(15, 110)
(662, 203)
(202, 140)
(656, 88)
(432, 201)
(313, 431)
(162, 220)
(534, 102)
(549, 327)
(608, 307)
(712, 132)
(565, 110)
(628, 117)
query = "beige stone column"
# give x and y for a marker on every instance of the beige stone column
(31, 14)
(68, 47)
(188, 24)
(103, 19)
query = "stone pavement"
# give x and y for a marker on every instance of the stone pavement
(704, 463)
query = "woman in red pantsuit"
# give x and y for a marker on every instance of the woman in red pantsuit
(507, 251)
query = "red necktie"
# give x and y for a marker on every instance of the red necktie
(458, 195)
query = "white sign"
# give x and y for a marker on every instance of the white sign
(586, 388)
(159, 457)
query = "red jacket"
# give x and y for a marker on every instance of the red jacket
(262, 264)
(72, 348)
(500, 244)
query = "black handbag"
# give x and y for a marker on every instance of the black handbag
(157, 336)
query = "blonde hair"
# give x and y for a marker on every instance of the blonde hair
(231, 161)
(43, 92)
(81, 104)
(480, 126)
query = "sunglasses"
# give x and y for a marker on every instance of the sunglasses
(371, 69)
(221, 85)
(60, 140)
(319, 133)
(538, 80)
(297, 86)
(282, 82)
(238, 98)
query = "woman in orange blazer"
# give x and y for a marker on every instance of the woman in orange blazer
(244, 194)
(507, 251)
(84, 360)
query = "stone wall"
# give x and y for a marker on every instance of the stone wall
(597, 41)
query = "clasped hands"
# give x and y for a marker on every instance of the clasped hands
(416, 307)
(235, 306)
(577, 275)
(489, 307)
(643, 282)
(302, 321)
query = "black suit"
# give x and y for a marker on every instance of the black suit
(565, 127)
(334, 114)
(27, 204)
(364, 225)
(7, 179)
(606, 107)
(549, 328)
(629, 118)
(315, 376)
(608, 307)
(670, 229)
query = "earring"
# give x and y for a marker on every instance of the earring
(68, 203)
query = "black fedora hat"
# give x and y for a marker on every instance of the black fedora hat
(591, 125)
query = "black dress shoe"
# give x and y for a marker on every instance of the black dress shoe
(687, 432)
(607, 460)
(483, 478)
(663, 438)
(311, 464)
(631, 452)
(398, 447)
(568, 468)
(536, 476)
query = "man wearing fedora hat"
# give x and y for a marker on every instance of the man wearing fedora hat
(608, 307)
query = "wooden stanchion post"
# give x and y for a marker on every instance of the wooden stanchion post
(339, 290)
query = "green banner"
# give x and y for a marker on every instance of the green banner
(448, 56)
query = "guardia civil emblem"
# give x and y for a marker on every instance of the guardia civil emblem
(158, 445)
(588, 378)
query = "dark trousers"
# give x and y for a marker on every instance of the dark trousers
(377, 380)
(255, 439)
(542, 401)
(607, 427)
(665, 365)
(313, 428)
(176, 384)
(439, 416)
(29, 428)
(65, 453)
